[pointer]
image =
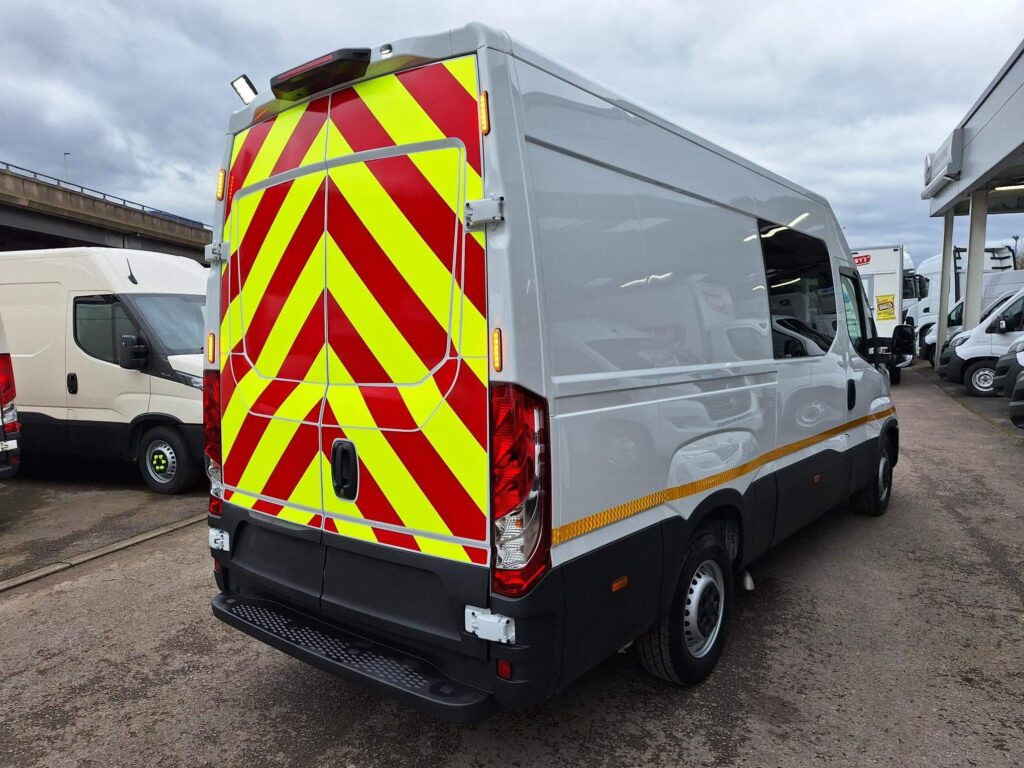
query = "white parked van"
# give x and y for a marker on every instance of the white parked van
(107, 349)
(10, 429)
(955, 319)
(970, 359)
(513, 373)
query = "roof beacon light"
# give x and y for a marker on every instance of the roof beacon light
(244, 88)
(328, 71)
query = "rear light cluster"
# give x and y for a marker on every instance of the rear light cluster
(211, 434)
(520, 481)
(8, 410)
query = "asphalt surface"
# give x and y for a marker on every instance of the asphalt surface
(890, 641)
(57, 509)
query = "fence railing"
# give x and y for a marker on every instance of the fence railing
(53, 181)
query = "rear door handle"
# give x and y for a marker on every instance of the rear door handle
(851, 394)
(345, 469)
(72, 384)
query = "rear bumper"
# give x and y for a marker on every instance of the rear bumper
(10, 453)
(376, 666)
(951, 366)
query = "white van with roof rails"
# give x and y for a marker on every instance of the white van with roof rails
(106, 345)
(507, 373)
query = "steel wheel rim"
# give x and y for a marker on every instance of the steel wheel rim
(983, 379)
(704, 609)
(161, 461)
(884, 478)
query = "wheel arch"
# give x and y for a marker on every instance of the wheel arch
(143, 423)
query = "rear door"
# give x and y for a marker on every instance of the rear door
(404, 425)
(354, 332)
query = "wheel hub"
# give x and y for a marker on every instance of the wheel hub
(884, 477)
(702, 615)
(161, 461)
(984, 379)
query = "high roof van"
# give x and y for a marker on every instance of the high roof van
(971, 357)
(106, 345)
(508, 373)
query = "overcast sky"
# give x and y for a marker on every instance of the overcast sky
(844, 98)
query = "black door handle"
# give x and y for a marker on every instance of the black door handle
(851, 394)
(345, 469)
(72, 384)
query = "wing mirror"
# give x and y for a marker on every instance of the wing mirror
(1001, 326)
(902, 345)
(133, 354)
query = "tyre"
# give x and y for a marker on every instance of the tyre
(685, 646)
(979, 378)
(928, 353)
(873, 500)
(895, 375)
(165, 461)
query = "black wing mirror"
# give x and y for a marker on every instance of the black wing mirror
(133, 353)
(902, 346)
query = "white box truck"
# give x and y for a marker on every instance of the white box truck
(887, 273)
(106, 345)
(512, 373)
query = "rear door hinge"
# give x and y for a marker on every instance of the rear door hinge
(490, 626)
(216, 252)
(489, 210)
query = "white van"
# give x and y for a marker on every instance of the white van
(107, 349)
(10, 429)
(970, 359)
(955, 320)
(512, 373)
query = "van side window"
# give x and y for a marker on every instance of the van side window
(801, 293)
(1013, 315)
(100, 321)
(854, 317)
(956, 317)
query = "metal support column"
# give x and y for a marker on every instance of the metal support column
(975, 258)
(947, 276)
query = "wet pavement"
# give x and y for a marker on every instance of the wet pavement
(885, 641)
(57, 509)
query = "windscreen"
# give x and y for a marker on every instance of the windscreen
(176, 320)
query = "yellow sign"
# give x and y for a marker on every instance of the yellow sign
(885, 306)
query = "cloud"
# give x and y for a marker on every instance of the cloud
(844, 98)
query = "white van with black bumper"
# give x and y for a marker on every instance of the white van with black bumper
(509, 373)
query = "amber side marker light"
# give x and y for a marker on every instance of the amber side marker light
(496, 360)
(221, 178)
(211, 347)
(485, 114)
(620, 583)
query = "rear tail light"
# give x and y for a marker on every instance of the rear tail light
(520, 480)
(8, 410)
(211, 433)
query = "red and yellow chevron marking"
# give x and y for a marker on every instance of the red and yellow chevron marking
(354, 307)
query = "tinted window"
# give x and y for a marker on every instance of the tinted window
(100, 321)
(1013, 315)
(176, 320)
(801, 293)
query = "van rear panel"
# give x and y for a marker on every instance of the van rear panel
(354, 312)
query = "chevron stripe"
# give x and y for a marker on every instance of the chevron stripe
(375, 254)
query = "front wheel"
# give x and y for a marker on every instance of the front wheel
(980, 379)
(873, 500)
(166, 464)
(685, 646)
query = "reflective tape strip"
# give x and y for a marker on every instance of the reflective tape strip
(628, 509)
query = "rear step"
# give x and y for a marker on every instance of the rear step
(378, 667)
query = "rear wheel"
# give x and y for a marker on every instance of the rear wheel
(166, 464)
(873, 500)
(979, 378)
(685, 646)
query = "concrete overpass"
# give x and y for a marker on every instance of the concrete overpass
(39, 211)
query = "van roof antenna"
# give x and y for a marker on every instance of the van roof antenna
(131, 277)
